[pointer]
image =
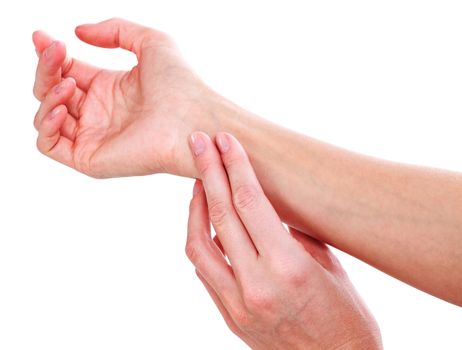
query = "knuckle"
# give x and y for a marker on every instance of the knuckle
(297, 278)
(192, 251)
(36, 122)
(153, 38)
(37, 93)
(115, 20)
(204, 165)
(156, 35)
(218, 211)
(245, 197)
(34, 92)
(146, 34)
(292, 274)
(68, 65)
(39, 146)
(241, 318)
(162, 36)
(234, 159)
(259, 301)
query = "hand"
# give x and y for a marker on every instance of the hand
(112, 123)
(282, 290)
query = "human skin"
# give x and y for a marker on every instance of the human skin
(282, 290)
(404, 220)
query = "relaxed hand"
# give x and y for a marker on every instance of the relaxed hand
(116, 123)
(282, 290)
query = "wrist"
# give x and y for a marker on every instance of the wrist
(211, 114)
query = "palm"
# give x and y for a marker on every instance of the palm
(111, 127)
(124, 112)
(130, 123)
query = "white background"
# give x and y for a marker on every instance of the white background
(88, 264)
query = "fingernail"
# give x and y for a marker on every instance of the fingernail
(60, 87)
(49, 50)
(197, 187)
(223, 143)
(55, 112)
(197, 143)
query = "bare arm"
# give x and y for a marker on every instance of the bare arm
(404, 220)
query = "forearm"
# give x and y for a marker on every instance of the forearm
(404, 220)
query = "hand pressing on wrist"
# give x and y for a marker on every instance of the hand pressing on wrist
(281, 289)
(118, 123)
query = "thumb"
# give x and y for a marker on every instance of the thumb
(118, 32)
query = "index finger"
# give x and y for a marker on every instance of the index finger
(41, 41)
(54, 65)
(255, 210)
(236, 241)
(48, 72)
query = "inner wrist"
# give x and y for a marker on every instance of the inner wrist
(222, 115)
(212, 114)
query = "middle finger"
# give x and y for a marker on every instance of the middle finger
(232, 234)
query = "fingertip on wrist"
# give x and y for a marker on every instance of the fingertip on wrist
(223, 142)
(197, 142)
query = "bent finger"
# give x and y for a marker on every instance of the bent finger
(69, 128)
(255, 210)
(50, 142)
(82, 72)
(48, 72)
(59, 94)
(41, 41)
